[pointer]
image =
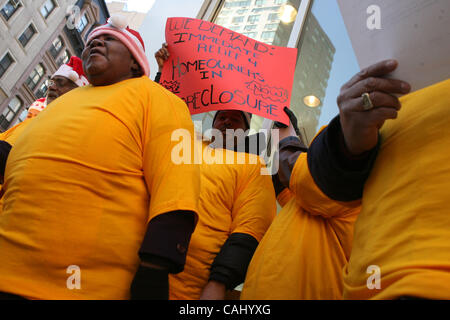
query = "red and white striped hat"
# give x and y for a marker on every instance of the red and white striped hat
(73, 71)
(117, 26)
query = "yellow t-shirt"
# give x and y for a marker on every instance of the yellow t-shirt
(234, 198)
(11, 136)
(404, 225)
(284, 197)
(83, 182)
(302, 254)
(13, 133)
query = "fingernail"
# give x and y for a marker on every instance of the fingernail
(391, 63)
(406, 87)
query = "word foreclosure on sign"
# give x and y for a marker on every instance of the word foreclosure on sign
(214, 68)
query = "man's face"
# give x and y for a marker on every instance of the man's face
(106, 60)
(59, 85)
(229, 119)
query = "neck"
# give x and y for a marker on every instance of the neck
(100, 81)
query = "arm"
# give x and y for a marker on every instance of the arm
(173, 196)
(342, 155)
(290, 147)
(163, 251)
(230, 266)
(252, 213)
(339, 174)
(161, 57)
(5, 148)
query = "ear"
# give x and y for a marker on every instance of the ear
(135, 68)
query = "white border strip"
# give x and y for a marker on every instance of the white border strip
(299, 23)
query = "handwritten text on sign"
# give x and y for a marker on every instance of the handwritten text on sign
(213, 68)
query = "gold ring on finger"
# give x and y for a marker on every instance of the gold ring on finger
(367, 102)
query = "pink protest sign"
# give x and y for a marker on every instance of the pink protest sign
(214, 68)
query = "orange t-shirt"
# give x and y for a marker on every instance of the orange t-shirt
(81, 185)
(234, 198)
(11, 136)
(402, 236)
(302, 255)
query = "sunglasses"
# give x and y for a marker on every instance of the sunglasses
(59, 82)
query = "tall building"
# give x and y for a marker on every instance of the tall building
(261, 20)
(314, 64)
(36, 38)
(135, 19)
(272, 22)
(256, 19)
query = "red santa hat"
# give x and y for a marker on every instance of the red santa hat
(117, 26)
(38, 105)
(73, 71)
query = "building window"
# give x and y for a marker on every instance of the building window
(26, 36)
(47, 8)
(253, 19)
(42, 91)
(235, 28)
(250, 27)
(56, 47)
(10, 8)
(279, 2)
(250, 34)
(274, 17)
(271, 26)
(83, 24)
(22, 117)
(268, 35)
(35, 77)
(5, 63)
(221, 20)
(260, 2)
(237, 4)
(238, 19)
(8, 114)
(64, 58)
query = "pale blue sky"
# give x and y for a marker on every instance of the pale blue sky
(344, 64)
(136, 5)
(153, 27)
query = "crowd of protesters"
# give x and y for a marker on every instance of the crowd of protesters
(88, 180)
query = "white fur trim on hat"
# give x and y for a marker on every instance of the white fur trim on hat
(38, 105)
(67, 72)
(118, 21)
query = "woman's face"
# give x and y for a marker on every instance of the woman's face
(106, 60)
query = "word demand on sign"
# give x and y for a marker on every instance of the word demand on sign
(214, 68)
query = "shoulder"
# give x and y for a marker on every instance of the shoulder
(250, 166)
(156, 89)
(11, 133)
(159, 94)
